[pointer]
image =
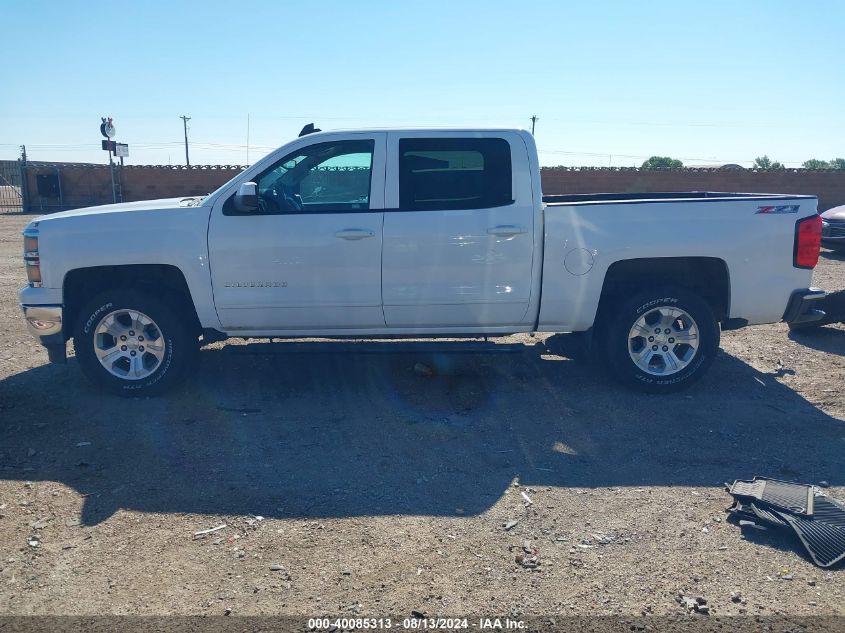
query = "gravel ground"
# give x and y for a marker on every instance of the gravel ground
(377, 490)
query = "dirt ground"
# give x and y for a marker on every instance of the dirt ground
(377, 490)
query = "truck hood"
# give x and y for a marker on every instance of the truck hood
(125, 207)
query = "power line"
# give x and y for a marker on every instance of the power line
(237, 148)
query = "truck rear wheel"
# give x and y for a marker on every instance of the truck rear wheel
(133, 344)
(661, 340)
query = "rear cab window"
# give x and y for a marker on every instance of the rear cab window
(438, 174)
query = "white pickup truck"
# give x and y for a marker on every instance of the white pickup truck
(415, 232)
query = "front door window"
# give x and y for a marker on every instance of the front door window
(331, 177)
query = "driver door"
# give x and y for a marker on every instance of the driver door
(310, 257)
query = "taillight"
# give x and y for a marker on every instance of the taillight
(808, 239)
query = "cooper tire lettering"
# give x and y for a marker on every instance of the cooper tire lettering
(615, 334)
(181, 345)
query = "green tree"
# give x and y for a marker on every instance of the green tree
(837, 163)
(764, 162)
(662, 162)
(815, 163)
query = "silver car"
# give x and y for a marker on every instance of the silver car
(833, 227)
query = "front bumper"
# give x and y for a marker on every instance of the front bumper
(45, 324)
(803, 306)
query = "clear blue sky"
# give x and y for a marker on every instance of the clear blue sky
(611, 81)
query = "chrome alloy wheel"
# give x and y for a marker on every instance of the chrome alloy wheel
(663, 341)
(129, 344)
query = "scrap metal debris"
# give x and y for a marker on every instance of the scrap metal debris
(202, 533)
(529, 557)
(817, 519)
(693, 604)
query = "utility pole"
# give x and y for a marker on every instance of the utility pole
(24, 181)
(185, 120)
(534, 118)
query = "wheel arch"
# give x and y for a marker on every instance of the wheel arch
(706, 276)
(80, 285)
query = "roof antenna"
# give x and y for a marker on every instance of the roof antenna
(309, 129)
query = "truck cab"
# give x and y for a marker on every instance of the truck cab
(383, 230)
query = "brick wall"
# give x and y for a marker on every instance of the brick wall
(85, 185)
(146, 183)
(828, 185)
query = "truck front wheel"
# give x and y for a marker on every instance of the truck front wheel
(661, 340)
(133, 344)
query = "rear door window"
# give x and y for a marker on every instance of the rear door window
(437, 174)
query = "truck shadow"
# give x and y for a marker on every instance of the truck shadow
(836, 254)
(352, 429)
(827, 338)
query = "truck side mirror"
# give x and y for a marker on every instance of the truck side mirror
(246, 200)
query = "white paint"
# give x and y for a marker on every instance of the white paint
(578, 261)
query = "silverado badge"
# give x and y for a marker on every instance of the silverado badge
(256, 284)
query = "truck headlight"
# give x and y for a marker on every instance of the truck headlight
(31, 257)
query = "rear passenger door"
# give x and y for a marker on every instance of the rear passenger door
(458, 231)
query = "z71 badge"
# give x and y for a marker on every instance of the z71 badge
(784, 208)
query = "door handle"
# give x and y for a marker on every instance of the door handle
(506, 230)
(354, 234)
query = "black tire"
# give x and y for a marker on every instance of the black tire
(180, 344)
(622, 318)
